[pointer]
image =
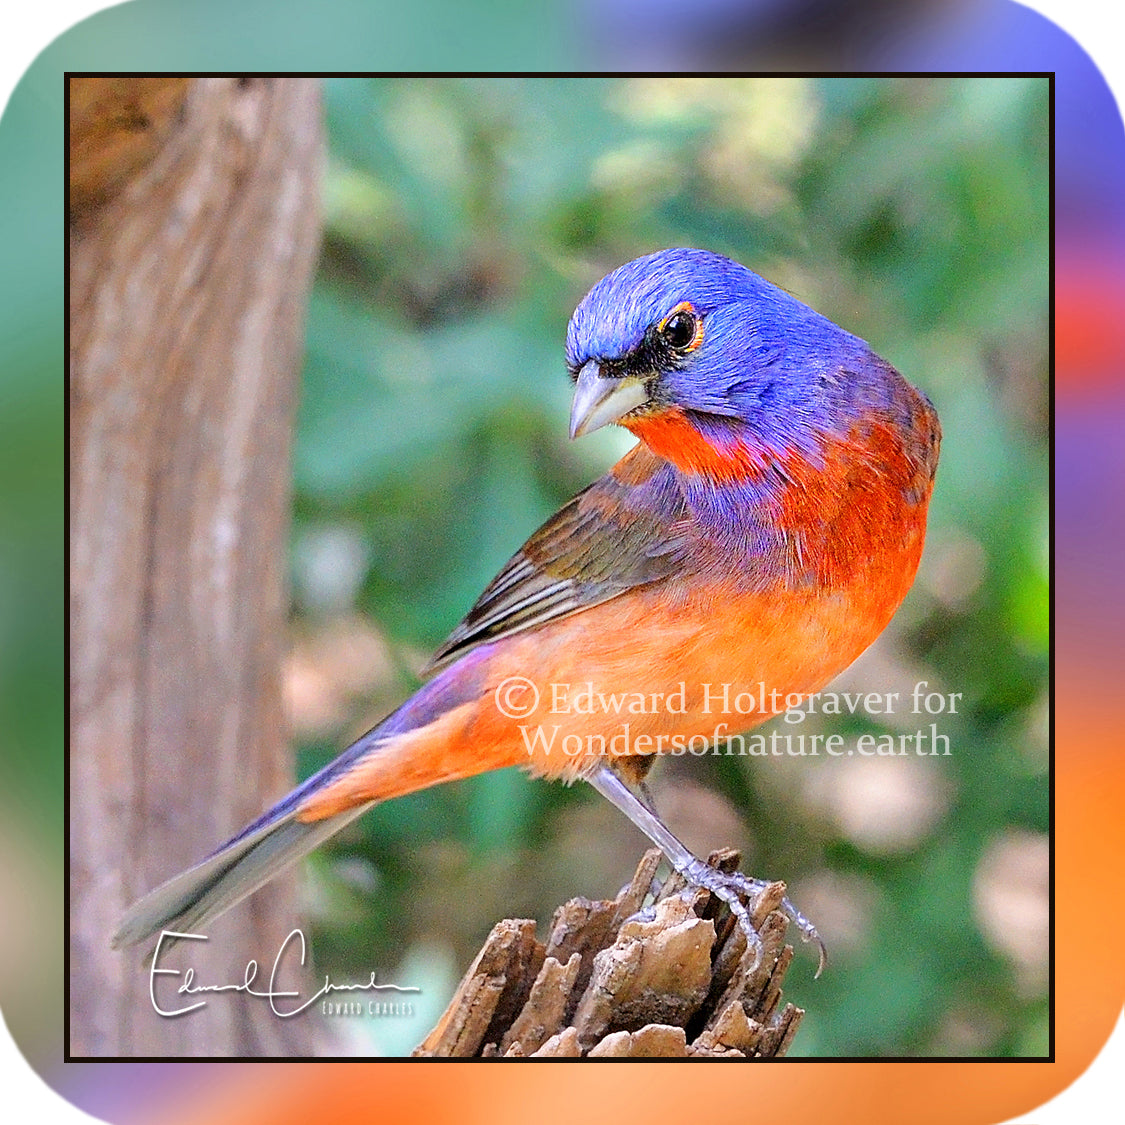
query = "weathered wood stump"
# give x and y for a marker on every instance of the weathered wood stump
(674, 979)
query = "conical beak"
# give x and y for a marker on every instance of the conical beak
(599, 400)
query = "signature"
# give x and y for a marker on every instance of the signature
(294, 941)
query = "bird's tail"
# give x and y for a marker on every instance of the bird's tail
(412, 748)
(191, 899)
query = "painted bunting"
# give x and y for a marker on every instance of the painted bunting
(760, 534)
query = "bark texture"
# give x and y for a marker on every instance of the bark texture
(193, 233)
(674, 980)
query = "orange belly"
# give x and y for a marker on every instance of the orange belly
(633, 675)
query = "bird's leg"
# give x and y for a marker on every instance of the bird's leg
(726, 886)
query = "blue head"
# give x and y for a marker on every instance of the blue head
(695, 332)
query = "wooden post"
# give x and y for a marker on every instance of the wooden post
(609, 980)
(193, 235)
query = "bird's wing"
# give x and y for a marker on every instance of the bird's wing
(628, 529)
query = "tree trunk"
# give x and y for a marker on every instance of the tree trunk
(192, 243)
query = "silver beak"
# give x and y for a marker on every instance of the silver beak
(599, 400)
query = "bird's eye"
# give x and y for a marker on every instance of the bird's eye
(681, 329)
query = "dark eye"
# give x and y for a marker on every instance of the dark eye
(680, 329)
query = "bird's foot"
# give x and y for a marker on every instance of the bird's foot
(732, 887)
(727, 886)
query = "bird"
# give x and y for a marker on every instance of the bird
(763, 530)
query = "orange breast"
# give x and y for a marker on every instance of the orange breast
(633, 676)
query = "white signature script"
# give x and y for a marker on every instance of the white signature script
(294, 940)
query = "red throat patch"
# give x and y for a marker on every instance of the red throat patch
(671, 435)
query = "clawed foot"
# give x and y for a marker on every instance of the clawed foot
(731, 887)
(728, 886)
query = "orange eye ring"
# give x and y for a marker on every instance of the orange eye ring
(682, 328)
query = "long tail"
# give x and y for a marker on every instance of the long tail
(414, 747)
(194, 897)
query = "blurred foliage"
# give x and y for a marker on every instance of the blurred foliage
(464, 219)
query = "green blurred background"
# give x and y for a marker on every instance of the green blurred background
(464, 219)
